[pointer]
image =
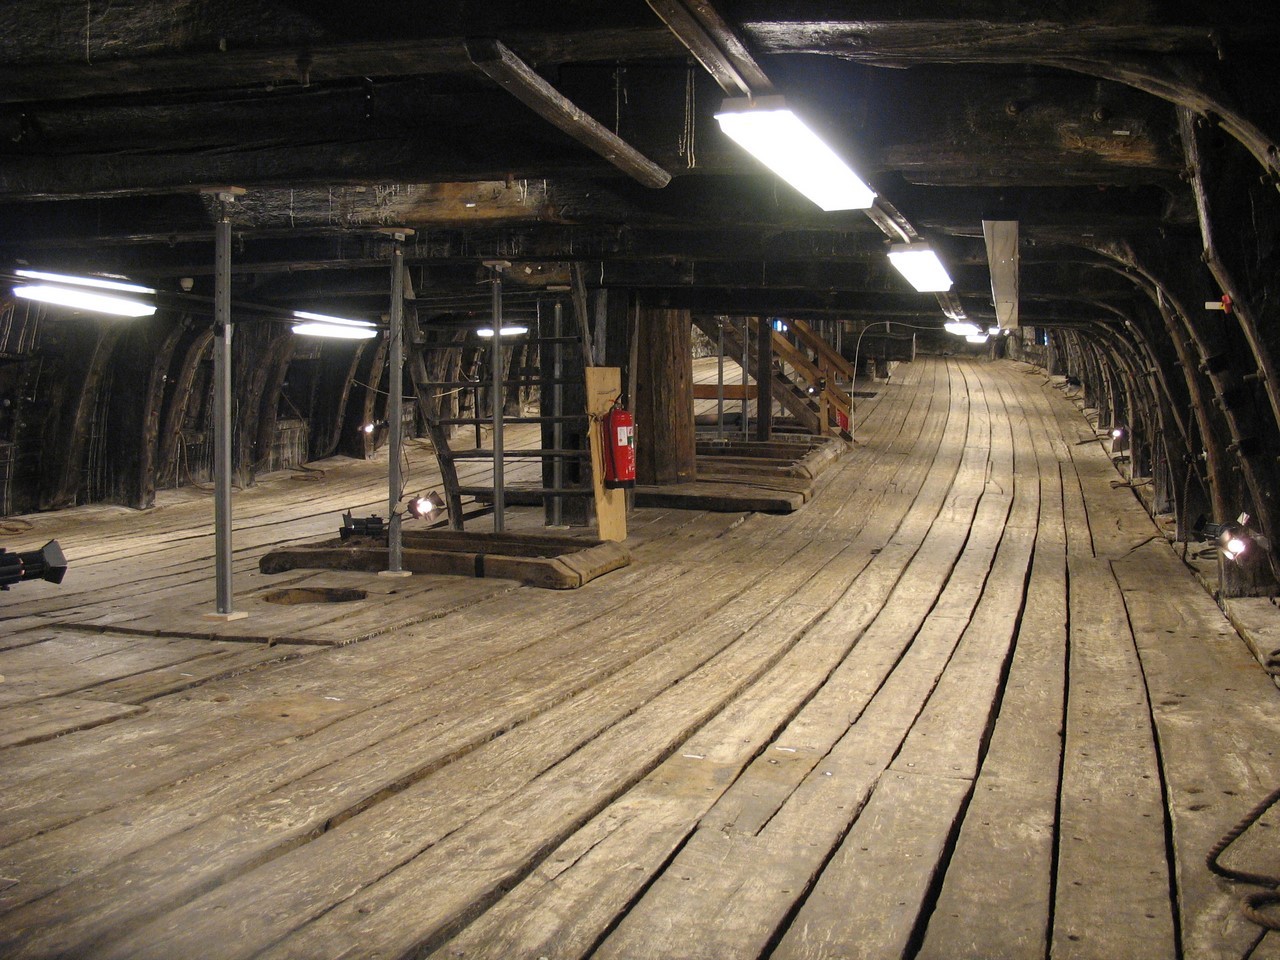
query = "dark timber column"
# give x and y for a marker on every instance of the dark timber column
(664, 398)
(764, 378)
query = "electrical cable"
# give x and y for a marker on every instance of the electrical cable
(1251, 904)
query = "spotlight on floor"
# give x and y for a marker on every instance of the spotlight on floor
(1233, 538)
(426, 506)
(47, 563)
(370, 526)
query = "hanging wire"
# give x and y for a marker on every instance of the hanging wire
(689, 132)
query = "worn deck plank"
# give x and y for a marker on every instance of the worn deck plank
(837, 732)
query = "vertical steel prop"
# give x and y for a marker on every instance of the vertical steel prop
(746, 363)
(395, 406)
(557, 411)
(499, 492)
(222, 404)
(720, 380)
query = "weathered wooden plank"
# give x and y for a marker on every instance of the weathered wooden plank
(45, 719)
(230, 661)
(741, 872)
(995, 899)
(1216, 715)
(566, 905)
(68, 662)
(438, 650)
(724, 496)
(1112, 812)
(399, 759)
(785, 568)
(865, 904)
(458, 859)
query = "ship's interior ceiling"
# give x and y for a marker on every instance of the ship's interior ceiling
(1133, 143)
(343, 118)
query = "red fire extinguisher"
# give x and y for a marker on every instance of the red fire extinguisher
(619, 449)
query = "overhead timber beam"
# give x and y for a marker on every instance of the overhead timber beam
(519, 79)
(711, 40)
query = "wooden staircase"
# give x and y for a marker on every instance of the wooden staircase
(806, 373)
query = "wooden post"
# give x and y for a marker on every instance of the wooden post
(764, 378)
(665, 442)
(604, 386)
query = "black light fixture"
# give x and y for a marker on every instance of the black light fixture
(425, 506)
(47, 563)
(370, 526)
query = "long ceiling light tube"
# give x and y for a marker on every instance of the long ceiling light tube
(919, 264)
(96, 294)
(771, 132)
(340, 328)
(84, 300)
(98, 283)
(334, 331)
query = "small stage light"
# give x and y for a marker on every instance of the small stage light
(425, 507)
(47, 563)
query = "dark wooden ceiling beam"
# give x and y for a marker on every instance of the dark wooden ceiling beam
(500, 64)
(715, 45)
(299, 64)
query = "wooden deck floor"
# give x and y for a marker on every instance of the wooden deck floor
(965, 703)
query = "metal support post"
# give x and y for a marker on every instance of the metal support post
(557, 411)
(395, 409)
(499, 493)
(746, 362)
(720, 380)
(222, 422)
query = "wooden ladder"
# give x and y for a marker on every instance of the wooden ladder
(432, 382)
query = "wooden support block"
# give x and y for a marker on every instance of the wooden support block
(732, 391)
(561, 563)
(604, 387)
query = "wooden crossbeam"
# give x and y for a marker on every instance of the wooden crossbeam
(523, 82)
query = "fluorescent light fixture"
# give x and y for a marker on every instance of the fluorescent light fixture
(340, 328)
(512, 331)
(962, 328)
(98, 283)
(977, 338)
(82, 293)
(767, 129)
(340, 321)
(921, 266)
(84, 300)
(336, 331)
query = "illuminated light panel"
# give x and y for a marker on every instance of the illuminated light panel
(962, 328)
(98, 283)
(334, 320)
(977, 338)
(85, 300)
(505, 331)
(768, 130)
(337, 331)
(920, 265)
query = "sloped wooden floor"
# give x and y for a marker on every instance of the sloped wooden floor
(963, 704)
